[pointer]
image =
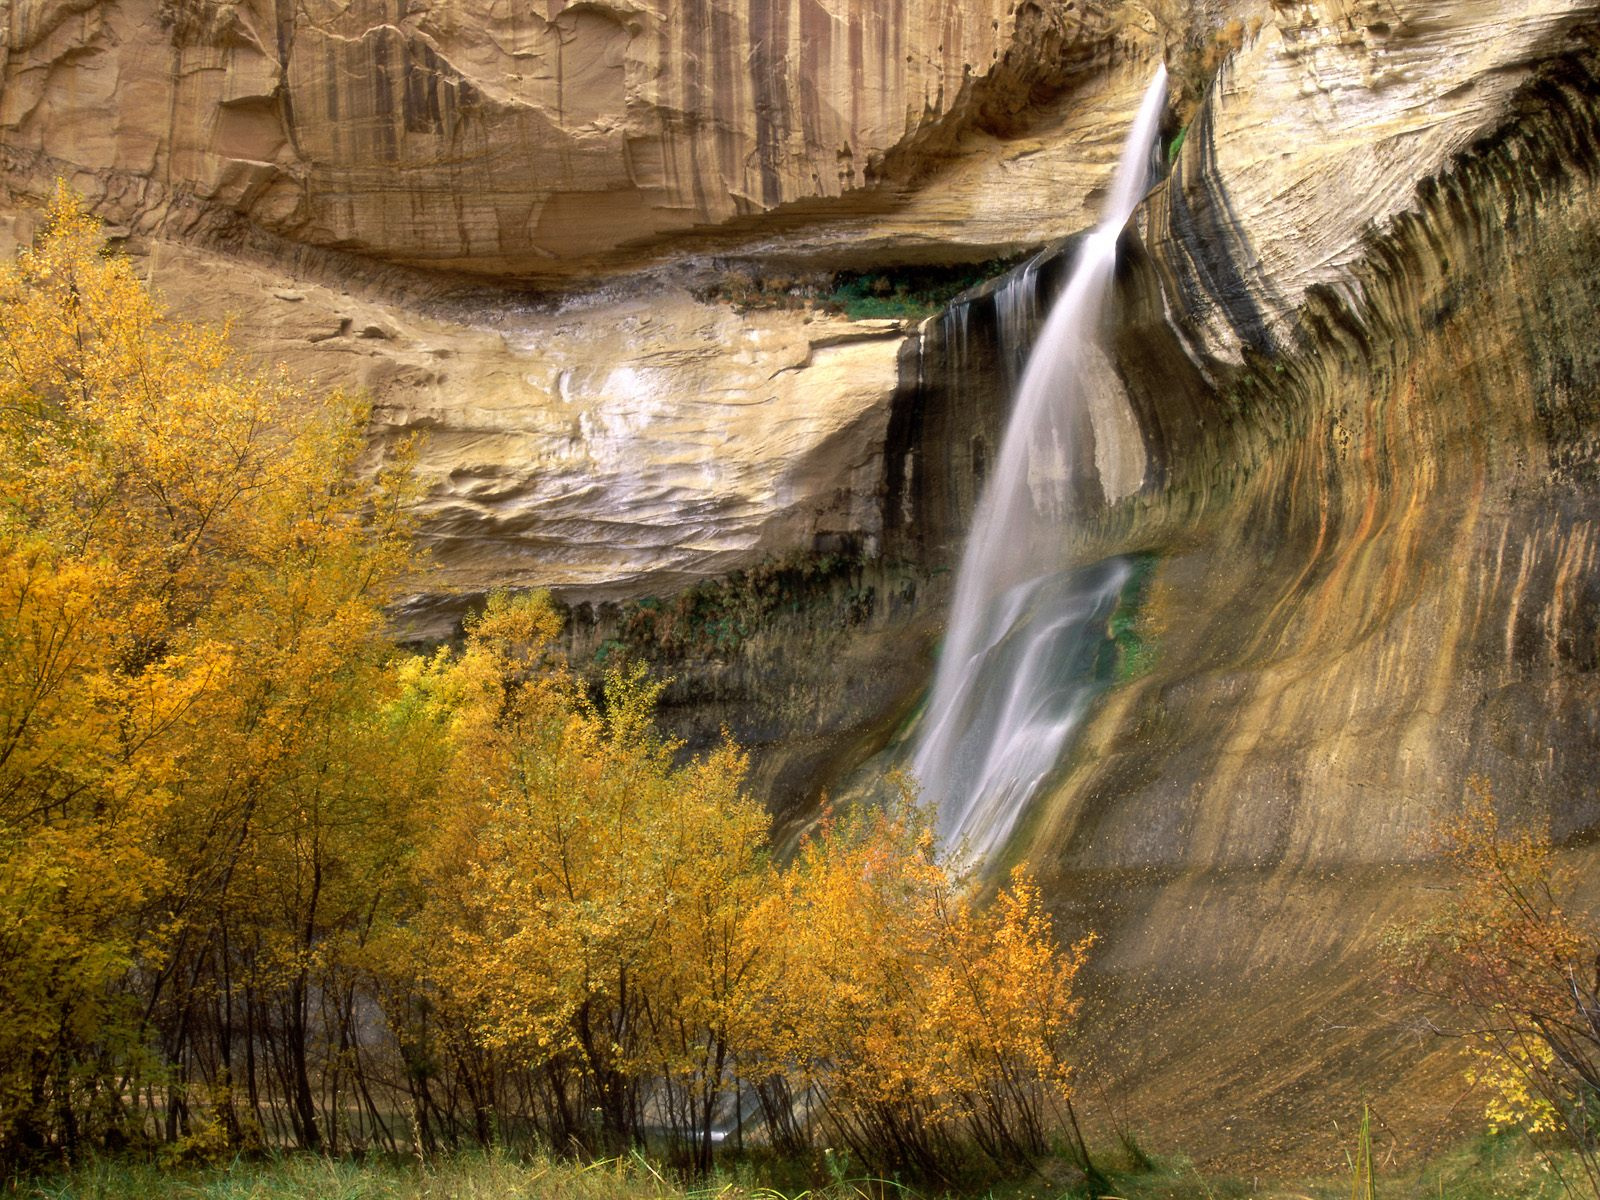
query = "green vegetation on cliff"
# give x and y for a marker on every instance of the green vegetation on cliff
(888, 293)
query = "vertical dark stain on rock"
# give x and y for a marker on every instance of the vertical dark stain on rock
(727, 151)
(420, 97)
(902, 438)
(696, 62)
(330, 85)
(946, 418)
(382, 92)
(284, 17)
(1211, 255)
(816, 49)
(857, 65)
(769, 77)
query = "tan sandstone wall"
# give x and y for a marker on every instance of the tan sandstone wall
(488, 135)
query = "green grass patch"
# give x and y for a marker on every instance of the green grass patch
(886, 293)
(465, 1176)
(911, 292)
(1503, 1167)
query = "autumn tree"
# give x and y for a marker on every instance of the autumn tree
(589, 889)
(1518, 973)
(913, 1019)
(192, 580)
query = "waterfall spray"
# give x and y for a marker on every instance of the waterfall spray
(1004, 701)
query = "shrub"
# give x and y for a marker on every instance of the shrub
(1518, 975)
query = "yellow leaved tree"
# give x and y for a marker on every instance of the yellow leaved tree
(192, 577)
(1515, 966)
(910, 1017)
(585, 892)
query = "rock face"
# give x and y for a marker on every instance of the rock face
(1332, 391)
(1321, 129)
(1369, 416)
(611, 445)
(603, 442)
(495, 137)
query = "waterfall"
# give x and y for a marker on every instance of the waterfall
(1015, 676)
(1016, 310)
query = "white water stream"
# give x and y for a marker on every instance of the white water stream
(1016, 673)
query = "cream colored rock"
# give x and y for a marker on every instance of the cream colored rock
(487, 135)
(637, 443)
(990, 194)
(629, 442)
(614, 445)
(1322, 128)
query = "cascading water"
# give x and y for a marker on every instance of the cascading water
(1015, 676)
(1016, 309)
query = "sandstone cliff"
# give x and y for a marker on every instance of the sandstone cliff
(297, 167)
(495, 137)
(1352, 330)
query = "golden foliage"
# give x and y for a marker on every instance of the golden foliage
(585, 894)
(266, 881)
(1519, 975)
(917, 1020)
(190, 604)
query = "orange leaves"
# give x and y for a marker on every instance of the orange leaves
(1505, 941)
(1006, 1001)
(919, 1018)
(1518, 973)
(192, 581)
(132, 437)
(612, 919)
(596, 871)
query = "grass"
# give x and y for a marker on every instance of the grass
(464, 1176)
(908, 293)
(1500, 1167)
(1493, 1168)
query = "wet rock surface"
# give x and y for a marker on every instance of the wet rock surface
(1370, 504)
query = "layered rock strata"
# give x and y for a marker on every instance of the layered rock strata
(499, 138)
(607, 446)
(1411, 386)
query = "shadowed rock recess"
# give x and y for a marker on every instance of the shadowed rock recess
(1345, 424)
